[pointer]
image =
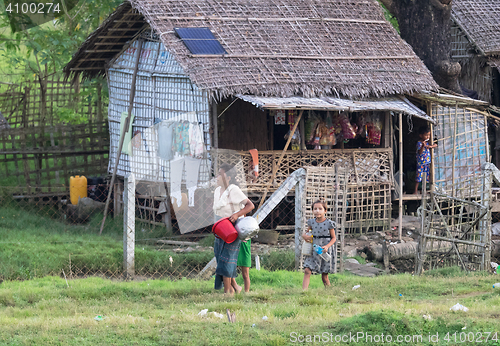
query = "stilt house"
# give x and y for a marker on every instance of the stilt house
(248, 72)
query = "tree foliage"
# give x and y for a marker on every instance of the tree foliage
(41, 51)
(44, 49)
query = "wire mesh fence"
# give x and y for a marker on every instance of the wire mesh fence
(48, 235)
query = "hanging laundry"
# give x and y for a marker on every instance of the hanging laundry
(165, 130)
(181, 138)
(191, 167)
(176, 170)
(143, 159)
(196, 143)
(255, 161)
(127, 146)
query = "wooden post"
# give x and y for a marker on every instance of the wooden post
(303, 134)
(23, 140)
(129, 227)
(117, 199)
(433, 165)
(275, 168)
(299, 221)
(271, 132)
(215, 129)
(453, 193)
(400, 231)
(488, 154)
(167, 217)
(386, 139)
(124, 132)
(419, 256)
(485, 223)
(454, 150)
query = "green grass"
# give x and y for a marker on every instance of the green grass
(49, 311)
(34, 244)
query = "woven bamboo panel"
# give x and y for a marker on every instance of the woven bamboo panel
(365, 166)
(462, 149)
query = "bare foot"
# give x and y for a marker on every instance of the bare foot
(238, 289)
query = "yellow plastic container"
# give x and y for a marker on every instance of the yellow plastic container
(77, 188)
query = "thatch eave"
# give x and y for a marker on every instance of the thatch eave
(105, 43)
(376, 63)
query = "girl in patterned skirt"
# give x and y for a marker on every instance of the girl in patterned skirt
(323, 234)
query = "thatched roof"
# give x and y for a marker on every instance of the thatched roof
(480, 21)
(105, 43)
(275, 47)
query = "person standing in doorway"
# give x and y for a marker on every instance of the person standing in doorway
(423, 156)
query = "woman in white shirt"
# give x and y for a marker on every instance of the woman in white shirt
(231, 202)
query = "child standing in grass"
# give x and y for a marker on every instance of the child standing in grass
(323, 235)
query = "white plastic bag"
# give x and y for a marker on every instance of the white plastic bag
(307, 247)
(247, 227)
(458, 307)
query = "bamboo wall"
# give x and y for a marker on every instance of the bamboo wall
(162, 92)
(370, 179)
(462, 149)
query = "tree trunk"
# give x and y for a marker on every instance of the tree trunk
(425, 25)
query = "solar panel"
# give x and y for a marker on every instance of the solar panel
(200, 41)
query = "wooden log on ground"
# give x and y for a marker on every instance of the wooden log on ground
(409, 249)
(176, 242)
(394, 251)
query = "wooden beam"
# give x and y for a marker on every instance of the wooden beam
(292, 19)
(128, 21)
(109, 43)
(107, 37)
(124, 29)
(400, 228)
(312, 57)
(453, 240)
(87, 68)
(103, 51)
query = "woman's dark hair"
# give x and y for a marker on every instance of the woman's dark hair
(323, 203)
(230, 172)
(424, 129)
